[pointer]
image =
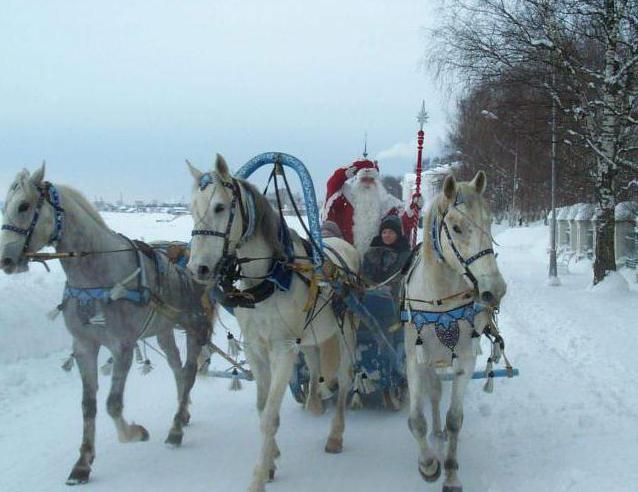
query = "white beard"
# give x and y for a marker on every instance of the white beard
(367, 216)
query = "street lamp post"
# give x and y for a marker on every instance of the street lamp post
(515, 185)
(553, 267)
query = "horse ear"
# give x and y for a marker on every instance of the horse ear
(479, 182)
(197, 174)
(222, 167)
(38, 176)
(449, 187)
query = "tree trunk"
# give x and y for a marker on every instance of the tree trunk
(605, 228)
(609, 134)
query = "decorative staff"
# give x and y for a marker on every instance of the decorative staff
(421, 118)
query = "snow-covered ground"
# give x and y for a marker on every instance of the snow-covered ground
(568, 423)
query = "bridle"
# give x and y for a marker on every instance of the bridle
(436, 241)
(228, 261)
(47, 192)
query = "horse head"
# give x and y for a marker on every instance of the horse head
(462, 229)
(28, 220)
(214, 206)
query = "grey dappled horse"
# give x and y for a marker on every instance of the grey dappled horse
(123, 292)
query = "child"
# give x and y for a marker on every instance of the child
(388, 251)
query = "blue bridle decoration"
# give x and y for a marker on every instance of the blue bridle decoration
(50, 193)
(436, 239)
(204, 180)
(435, 231)
(58, 213)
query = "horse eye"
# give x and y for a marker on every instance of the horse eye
(24, 206)
(219, 208)
(457, 229)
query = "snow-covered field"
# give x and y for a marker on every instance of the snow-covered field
(568, 423)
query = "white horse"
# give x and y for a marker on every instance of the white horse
(453, 284)
(124, 292)
(233, 219)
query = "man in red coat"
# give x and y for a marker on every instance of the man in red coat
(357, 202)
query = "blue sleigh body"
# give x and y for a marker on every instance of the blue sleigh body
(381, 356)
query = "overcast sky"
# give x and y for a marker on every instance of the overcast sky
(114, 95)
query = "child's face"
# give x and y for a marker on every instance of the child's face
(388, 236)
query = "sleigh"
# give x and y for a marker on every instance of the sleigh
(379, 356)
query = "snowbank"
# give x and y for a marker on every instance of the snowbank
(24, 328)
(614, 284)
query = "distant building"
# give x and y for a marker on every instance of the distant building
(431, 182)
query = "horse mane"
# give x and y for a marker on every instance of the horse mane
(266, 218)
(83, 203)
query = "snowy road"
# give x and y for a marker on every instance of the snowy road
(567, 424)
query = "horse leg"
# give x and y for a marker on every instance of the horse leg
(85, 353)
(258, 360)
(344, 377)
(453, 423)
(313, 400)
(259, 365)
(281, 364)
(166, 341)
(122, 360)
(434, 392)
(429, 464)
(189, 373)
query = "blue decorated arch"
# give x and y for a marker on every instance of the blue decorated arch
(312, 209)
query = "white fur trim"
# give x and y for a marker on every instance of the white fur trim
(328, 205)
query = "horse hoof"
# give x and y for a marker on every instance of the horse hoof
(174, 439)
(452, 488)
(424, 470)
(140, 433)
(334, 445)
(78, 476)
(271, 474)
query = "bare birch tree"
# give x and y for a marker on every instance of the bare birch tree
(589, 47)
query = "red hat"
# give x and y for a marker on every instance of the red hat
(366, 168)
